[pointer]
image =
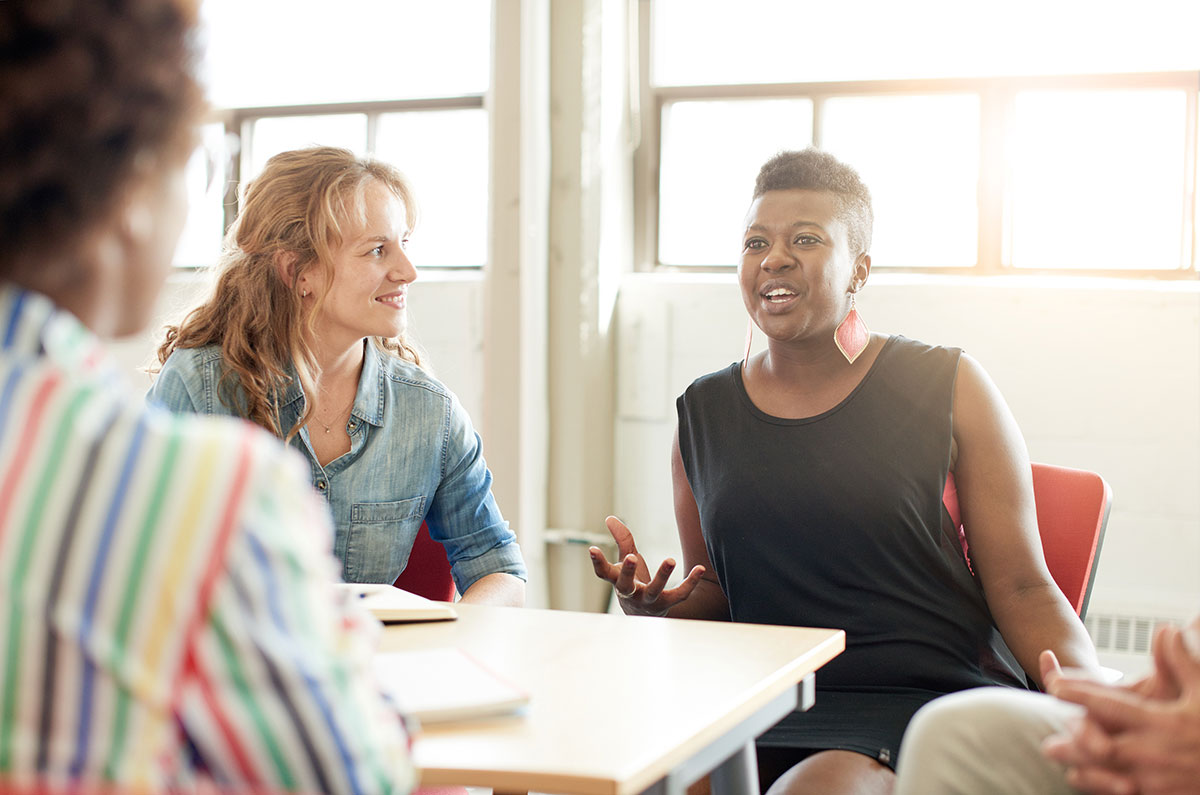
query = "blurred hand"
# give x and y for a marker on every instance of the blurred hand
(637, 593)
(1140, 739)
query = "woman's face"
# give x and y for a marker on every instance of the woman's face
(796, 269)
(371, 274)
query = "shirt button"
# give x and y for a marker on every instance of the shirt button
(321, 485)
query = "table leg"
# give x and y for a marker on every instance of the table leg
(737, 775)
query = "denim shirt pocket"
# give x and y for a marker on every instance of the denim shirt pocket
(380, 539)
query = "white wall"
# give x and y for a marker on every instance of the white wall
(1101, 375)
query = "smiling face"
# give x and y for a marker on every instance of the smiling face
(796, 270)
(371, 274)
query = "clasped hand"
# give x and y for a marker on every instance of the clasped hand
(1141, 739)
(637, 592)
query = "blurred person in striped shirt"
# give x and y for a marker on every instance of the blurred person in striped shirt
(166, 619)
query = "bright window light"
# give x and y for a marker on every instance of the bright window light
(714, 42)
(711, 153)
(1098, 179)
(445, 156)
(266, 53)
(919, 155)
(207, 176)
(270, 136)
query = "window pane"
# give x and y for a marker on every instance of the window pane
(445, 155)
(784, 41)
(919, 155)
(207, 176)
(1098, 179)
(274, 135)
(263, 52)
(711, 153)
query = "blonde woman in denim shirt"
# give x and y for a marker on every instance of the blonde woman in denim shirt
(304, 335)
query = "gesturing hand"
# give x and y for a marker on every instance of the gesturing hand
(637, 593)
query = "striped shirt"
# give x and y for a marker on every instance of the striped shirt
(165, 613)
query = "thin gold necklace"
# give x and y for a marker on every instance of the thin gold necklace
(329, 427)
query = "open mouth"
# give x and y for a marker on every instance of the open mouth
(779, 295)
(394, 300)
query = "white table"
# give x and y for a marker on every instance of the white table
(620, 705)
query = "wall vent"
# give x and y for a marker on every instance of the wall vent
(1123, 633)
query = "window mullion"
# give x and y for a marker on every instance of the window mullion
(818, 108)
(646, 156)
(995, 108)
(1191, 159)
(372, 131)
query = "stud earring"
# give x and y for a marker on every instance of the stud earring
(852, 334)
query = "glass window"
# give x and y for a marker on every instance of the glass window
(266, 53)
(445, 156)
(714, 42)
(208, 174)
(919, 155)
(272, 135)
(1098, 179)
(711, 152)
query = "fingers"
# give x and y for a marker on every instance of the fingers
(655, 588)
(1062, 748)
(1191, 637)
(1100, 781)
(1050, 669)
(1113, 708)
(1181, 667)
(604, 570)
(1084, 744)
(621, 535)
(621, 575)
(685, 588)
(626, 582)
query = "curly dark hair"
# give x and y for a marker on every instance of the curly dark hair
(812, 169)
(91, 93)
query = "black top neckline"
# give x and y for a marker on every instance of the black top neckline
(735, 371)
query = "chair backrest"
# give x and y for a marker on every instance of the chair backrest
(428, 571)
(1072, 511)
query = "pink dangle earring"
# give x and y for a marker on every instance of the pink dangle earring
(852, 334)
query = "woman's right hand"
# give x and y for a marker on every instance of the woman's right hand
(637, 593)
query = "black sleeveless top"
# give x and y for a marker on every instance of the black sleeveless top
(837, 521)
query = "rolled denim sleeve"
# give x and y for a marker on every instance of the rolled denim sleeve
(464, 516)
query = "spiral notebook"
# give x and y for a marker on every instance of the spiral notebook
(392, 605)
(446, 684)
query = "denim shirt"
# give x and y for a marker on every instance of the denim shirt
(414, 457)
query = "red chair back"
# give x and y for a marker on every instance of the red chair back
(428, 571)
(1072, 511)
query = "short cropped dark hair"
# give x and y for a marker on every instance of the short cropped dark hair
(812, 169)
(91, 92)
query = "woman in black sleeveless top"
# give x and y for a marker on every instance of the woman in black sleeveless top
(808, 491)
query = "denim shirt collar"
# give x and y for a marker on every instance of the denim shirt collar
(368, 401)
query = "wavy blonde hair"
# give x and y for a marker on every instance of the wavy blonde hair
(298, 209)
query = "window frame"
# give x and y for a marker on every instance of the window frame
(997, 106)
(239, 123)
